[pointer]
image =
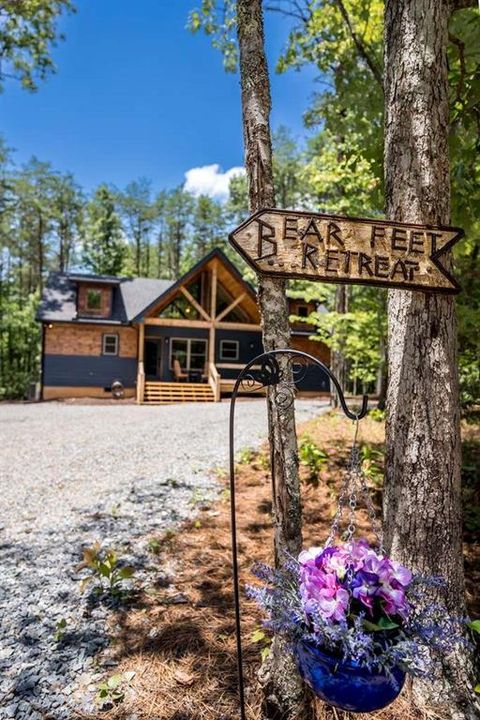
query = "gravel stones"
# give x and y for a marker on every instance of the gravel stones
(74, 474)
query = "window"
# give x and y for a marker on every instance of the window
(190, 353)
(110, 344)
(229, 349)
(224, 299)
(302, 311)
(94, 299)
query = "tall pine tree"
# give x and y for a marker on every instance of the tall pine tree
(103, 245)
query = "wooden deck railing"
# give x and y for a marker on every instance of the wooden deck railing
(140, 382)
(214, 380)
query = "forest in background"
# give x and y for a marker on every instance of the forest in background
(48, 222)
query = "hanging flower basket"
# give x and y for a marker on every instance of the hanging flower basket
(347, 685)
(356, 622)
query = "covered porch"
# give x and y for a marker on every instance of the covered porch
(195, 339)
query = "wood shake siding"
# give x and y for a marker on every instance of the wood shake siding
(84, 339)
(312, 347)
(106, 307)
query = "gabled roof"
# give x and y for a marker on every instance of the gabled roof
(132, 297)
(59, 299)
(185, 279)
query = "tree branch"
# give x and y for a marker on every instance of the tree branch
(361, 47)
(460, 45)
(299, 13)
(462, 4)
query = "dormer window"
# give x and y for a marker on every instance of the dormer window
(94, 299)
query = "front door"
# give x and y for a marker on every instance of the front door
(152, 358)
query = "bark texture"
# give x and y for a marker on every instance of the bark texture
(339, 363)
(422, 492)
(284, 694)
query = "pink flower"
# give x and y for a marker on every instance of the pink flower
(400, 575)
(320, 588)
(308, 557)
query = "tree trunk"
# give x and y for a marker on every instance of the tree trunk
(284, 694)
(339, 363)
(422, 491)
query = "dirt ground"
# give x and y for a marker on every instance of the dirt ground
(179, 639)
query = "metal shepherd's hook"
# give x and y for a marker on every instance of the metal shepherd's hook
(268, 375)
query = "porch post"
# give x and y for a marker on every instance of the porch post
(141, 342)
(213, 312)
(140, 367)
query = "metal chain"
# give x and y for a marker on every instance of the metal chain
(354, 480)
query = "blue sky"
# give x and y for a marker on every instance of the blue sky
(136, 94)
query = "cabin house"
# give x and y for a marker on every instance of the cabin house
(157, 340)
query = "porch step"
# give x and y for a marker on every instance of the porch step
(161, 393)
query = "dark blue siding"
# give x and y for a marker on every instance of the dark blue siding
(249, 344)
(315, 380)
(88, 371)
(159, 331)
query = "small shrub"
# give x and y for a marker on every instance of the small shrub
(199, 499)
(105, 568)
(112, 691)
(377, 414)
(166, 540)
(245, 456)
(372, 464)
(60, 630)
(312, 457)
(259, 636)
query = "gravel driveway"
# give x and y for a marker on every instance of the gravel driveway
(73, 474)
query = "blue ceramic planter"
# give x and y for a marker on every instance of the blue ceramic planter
(346, 685)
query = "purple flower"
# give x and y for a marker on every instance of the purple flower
(365, 587)
(320, 588)
(334, 560)
(321, 592)
(359, 572)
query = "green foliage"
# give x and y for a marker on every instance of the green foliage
(106, 570)
(219, 23)
(139, 212)
(112, 691)
(260, 637)
(19, 342)
(245, 456)
(377, 414)
(60, 630)
(372, 463)
(471, 487)
(104, 249)
(342, 166)
(475, 626)
(312, 457)
(357, 334)
(28, 32)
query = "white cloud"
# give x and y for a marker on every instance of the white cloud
(210, 180)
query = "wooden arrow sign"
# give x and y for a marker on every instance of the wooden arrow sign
(337, 249)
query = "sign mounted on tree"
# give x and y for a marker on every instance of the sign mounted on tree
(331, 248)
